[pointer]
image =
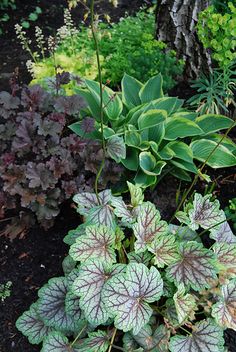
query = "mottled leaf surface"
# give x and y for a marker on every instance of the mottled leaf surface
(57, 342)
(97, 341)
(226, 257)
(143, 257)
(85, 201)
(122, 211)
(165, 250)
(185, 305)
(223, 233)
(156, 342)
(116, 148)
(101, 215)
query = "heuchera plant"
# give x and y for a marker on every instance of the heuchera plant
(134, 280)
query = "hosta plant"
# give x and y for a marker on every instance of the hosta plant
(152, 134)
(137, 283)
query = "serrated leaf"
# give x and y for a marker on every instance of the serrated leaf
(129, 343)
(89, 285)
(96, 243)
(57, 342)
(97, 341)
(127, 296)
(101, 215)
(136, 194)
(155, 342)
(68, 264)
(185, 305)
(148, 226)
(121, 211)
(171, 314)
(116, 148)
(85, 201)
(206, 337)
(32, 326)
(225, 310)
(195, 267)
(165, 250)
(184, 233)
(143, 257)
(222, 233)
(72, 235)
(226, 257)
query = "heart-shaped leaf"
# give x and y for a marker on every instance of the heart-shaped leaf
(223, 233)
(121, 211)
(165, 250)
(97, 341)
(57, 342)
(157, 341)
(226, 257)
(116, 148)
(185, 305)
(86, 201)
(127, 296)
(101, 215)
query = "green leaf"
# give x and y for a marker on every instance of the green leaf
(127, 296)
(148, 226)
(143, 257)
(33, 16)
(96, 243)
(116, 148)
(190, 167)
(155, 342)
(184, 233)
(181, 150)
(132, 139)
(86, 201)
(121, 211)
(101, 215)
(226, 257)
(68, 264)
(165, 250)
(129, 343)
(185, 305)
(97, 341)
(130, 91)
(88, 286)
(206, 336)
(132, 160)
(72, 235)
(195, 268)
(222, 233)
(152, 89)
(93, 103)
(181, 128)
(224, 310)
(167, 103)
(32, 326)
(221, 156)
(151, 118)
(136, 194)
(143, 180)
(72, 305)
(77, 128)
(57, 342)
(149, 165)
(212, 123)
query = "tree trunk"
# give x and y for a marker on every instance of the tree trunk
(176, 26)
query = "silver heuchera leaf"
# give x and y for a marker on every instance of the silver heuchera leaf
(127, 296)
(116, 148)
(185, 305)
(72, 306)
(224, 311)
(32, 326)
(97, 341)
(148, 226)
(89, 284)
(57, 342)
(96, 243)
(121, 211)
(157, 341)
(143, 257)
(223, 233)
(86, 201)
(206, 337)
(101, 215)
(184, 233)
(195, 268)
(165, 250)
(226, 257)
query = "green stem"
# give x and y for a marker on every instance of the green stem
(77, 337)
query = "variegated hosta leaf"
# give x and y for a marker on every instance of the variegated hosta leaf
(157, 341)
(223, 233)
(143, 257)
(32, 326)
(101, 215)
(127, 296)
(195, 267)
(57, 342)
(148, 226)
(96, 342)
(96, 243)
(206, 337)
(224, 311)
(87, 201)
(226, 257)
(89, 285)
(205, 213)
(184, 233)
(136, 194)
(165, 250)
(121, 211)
(185, 305)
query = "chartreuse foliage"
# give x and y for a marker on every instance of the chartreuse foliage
(152, 134)
(132, 277)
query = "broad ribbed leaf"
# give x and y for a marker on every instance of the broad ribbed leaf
(97, 341)
(89, 285)
(127, 296)
(226, 257)
(116, 148)
(57, 342)
(155, 342)
(181, 127)
(101, 215)
(143, 257)
(148, 226)
(130, 89)
(152, 89)
(151, 118)
(136, 194)
(195, 267)
(224, 310)
(86, 201)
(206, 337)
(96, 243)
(185, 305)
(223, 233)
(165, 250)
(149, 165)
(212, 123)
(32, 326)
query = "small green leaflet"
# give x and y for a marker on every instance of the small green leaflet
(136, 194)
(222, 233)
(226, 257)
(185, 305)
(68, 264)
(57, 342)
(86, 201)
(116, 148)
(171, 314)
(148, 226)
(89, 285)
(195, 267)
(129, 343)
(32, 326)
(97, 341)
(206, 337)
(224, 310)
(156, 342)
(127, 296)
(143, 257)
(184, 233)
(165, 250)
(96, 243)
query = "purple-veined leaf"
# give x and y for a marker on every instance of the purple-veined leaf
(68, 264)
(165, 250)
(70, 105)
(224, 311)
(171, 314)
(72, 235)
(121, 211)
(143, 257)
(86, 201)
(97, 341)
(127, 296)
(96, 243)
(57, 342)
(89, 284)
(195, 268)
(101, 215)
(185, 305)
(136, 194)
(116, 148)
(222, 233)
(72, 306)
(32, 326)
(155, 342)
(184, 233)
(226, 257)
(71, 278)
(206, 337)
(129, 343)
(205, 213)
(148, 226)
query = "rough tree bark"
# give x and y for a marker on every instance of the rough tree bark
(176, 26)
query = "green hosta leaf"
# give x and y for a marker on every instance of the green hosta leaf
(152, 89)
(132, 139)
(221, 156)
(96, 243)
(93, 103)
(180, 127)
(212, 123)
(130, 91)
(223, 233)
(127, 296)
(165, 250)
(136, 194)
(32, 326)
(195, 267)
(143, 180)
(167, 103)
(155, 342)
(184, 165)
(86, 201)
(224, 310)
(185, 305)
(226, 257)
(116, 148)
(89, 285)
(132, 161)
(57, 342)
(149, 165)
(97, 341)
(206, 337)
(148, 226)
(181, 151)
(151, 118)
(143, 257)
